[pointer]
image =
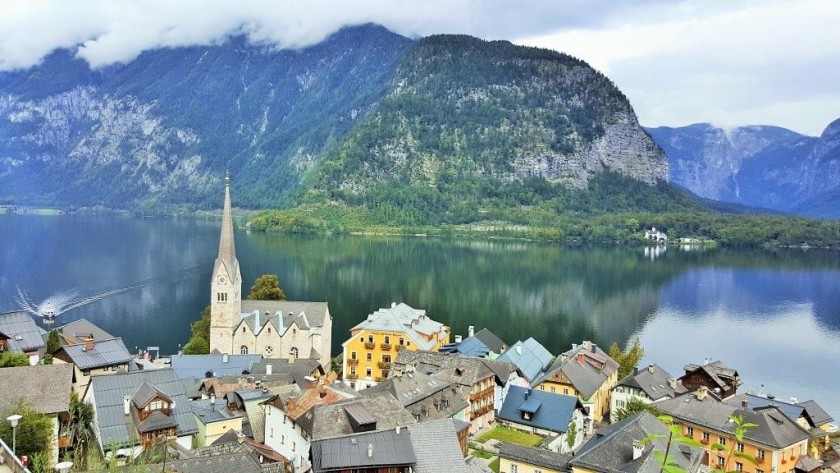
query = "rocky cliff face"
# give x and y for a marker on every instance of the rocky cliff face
(760, 166)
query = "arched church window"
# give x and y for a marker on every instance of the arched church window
(243, 350)
(294, 353)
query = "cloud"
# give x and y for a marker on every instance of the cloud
(745, 63)
(773, 62)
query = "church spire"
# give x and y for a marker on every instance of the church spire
(227, 248)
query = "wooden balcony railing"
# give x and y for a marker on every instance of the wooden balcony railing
(384, 365)
(386, 346)
(352, 376)
(370, 345)
(482, 394)
(352, 362)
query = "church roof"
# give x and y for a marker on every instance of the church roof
(227, 247)
(282, 314)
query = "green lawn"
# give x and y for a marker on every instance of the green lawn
(509, 435)
(482, 454)
(494, 465)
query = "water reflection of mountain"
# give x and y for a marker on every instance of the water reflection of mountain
(756, 292)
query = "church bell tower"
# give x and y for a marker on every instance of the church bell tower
(226, 286)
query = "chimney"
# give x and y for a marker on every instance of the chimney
(701, 392)
(269, 369)
(213, 398)
(580, 358)
(518, 349)
(527, 392)
(224, 358)
(638, 449)
(397, 430)
(745, 403)
(458, 339)
(89, 344)
(471, 330)
(370, 450)
(706, 361)
(650, 368)
(393, 304)
(594, 348)
(126, 405)
(564, 357)
(672, 382)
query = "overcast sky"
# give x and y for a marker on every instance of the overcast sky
(679, 61)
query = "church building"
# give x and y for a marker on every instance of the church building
(273, 329)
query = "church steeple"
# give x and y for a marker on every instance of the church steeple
(227, 247)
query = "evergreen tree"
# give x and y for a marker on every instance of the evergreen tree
(199, 342)
(53, 342)
(267, 288)
(629, 359)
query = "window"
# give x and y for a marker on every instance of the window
(739, 466)
(293, 446)
(552, 389)
(369, 356)
(269, 329)
(387, 340)
(721, 461)
(353, 370)
(294, 353)
(352, 355)
(565, 390)
(722, 440)
(370, 338)
(739, 446)
(514, 469)
(760, 455)
(268, 350)
(271, 432)
(759, 471)
(706, 437)
(689, 431)
(368, 372)
(386, 358)
(243, 350)
(86, 372)
(283, 439)
(526, 415)
(243, 329)
(402, 341)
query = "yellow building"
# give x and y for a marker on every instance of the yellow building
(776, 442)
(374, 343)
(584, 371)
(213, 419)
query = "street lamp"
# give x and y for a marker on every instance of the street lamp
(14, 419)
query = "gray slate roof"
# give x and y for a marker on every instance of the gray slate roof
(104, 353)
(774, 428)
(424, 396)
(387, 448)
(332, 420)
(46, 387)
(298, 370)
(436, 447)
(72, 332)
(197, 366)
(21, 330)
(207, 412)
(653, 380)
(490, 339)
(535, 456)
(726, 378)
(239, 462)
(549, 411)
(461, 370)
(108, 393)
(530, 357)
(145, 393)
(282, 314)
(611, 449)
(586, 366)
(816, 413)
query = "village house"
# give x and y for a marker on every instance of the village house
(47, 389)
(213, 419)
(212, 365)
(376, 341)
(94, 358)
(273, 329)
(426, 397)
(484, 344)
(20, 334)
(547, 414)
(647, 385)
(232, 452)
(715, 376)
(619, 447)
(530, 358)
(135, 410)
(285, 429)
(519, 459)
(428, 447)
(78, 332)
(585, 371)
(776, 441)
(364, 414)
(477, 380)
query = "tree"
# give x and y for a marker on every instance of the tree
(629, 359)
(634, 406)
(10, 359)
(571, 434)
(199, 342)
(267, 288)
(34, 431)
(53, 342)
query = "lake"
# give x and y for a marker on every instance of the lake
(772, 315)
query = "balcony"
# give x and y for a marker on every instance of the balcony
(352, 362)
(386, 346)
(352, 376)
(489, 392)
(400, 347)
(480, 411)
(370, 345)
(384, 365)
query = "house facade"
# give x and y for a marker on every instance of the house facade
(647, 385)
(715, 376)
(273, 329)
(585, 371)
(94, 358)
(20, 334)
(375, 342)
(552, 415)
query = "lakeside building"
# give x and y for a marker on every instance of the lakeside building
(94, 358)
(19, 333)
(375, 342)
(648, 385)
(557, 416)
(273, 329)
(585, 371)
(715, 376)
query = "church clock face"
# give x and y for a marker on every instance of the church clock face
(221, 279)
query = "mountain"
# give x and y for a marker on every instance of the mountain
(759, 166)
(364, 110)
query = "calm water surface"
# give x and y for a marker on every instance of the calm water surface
(774, 316)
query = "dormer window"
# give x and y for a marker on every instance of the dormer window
(527, 415)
